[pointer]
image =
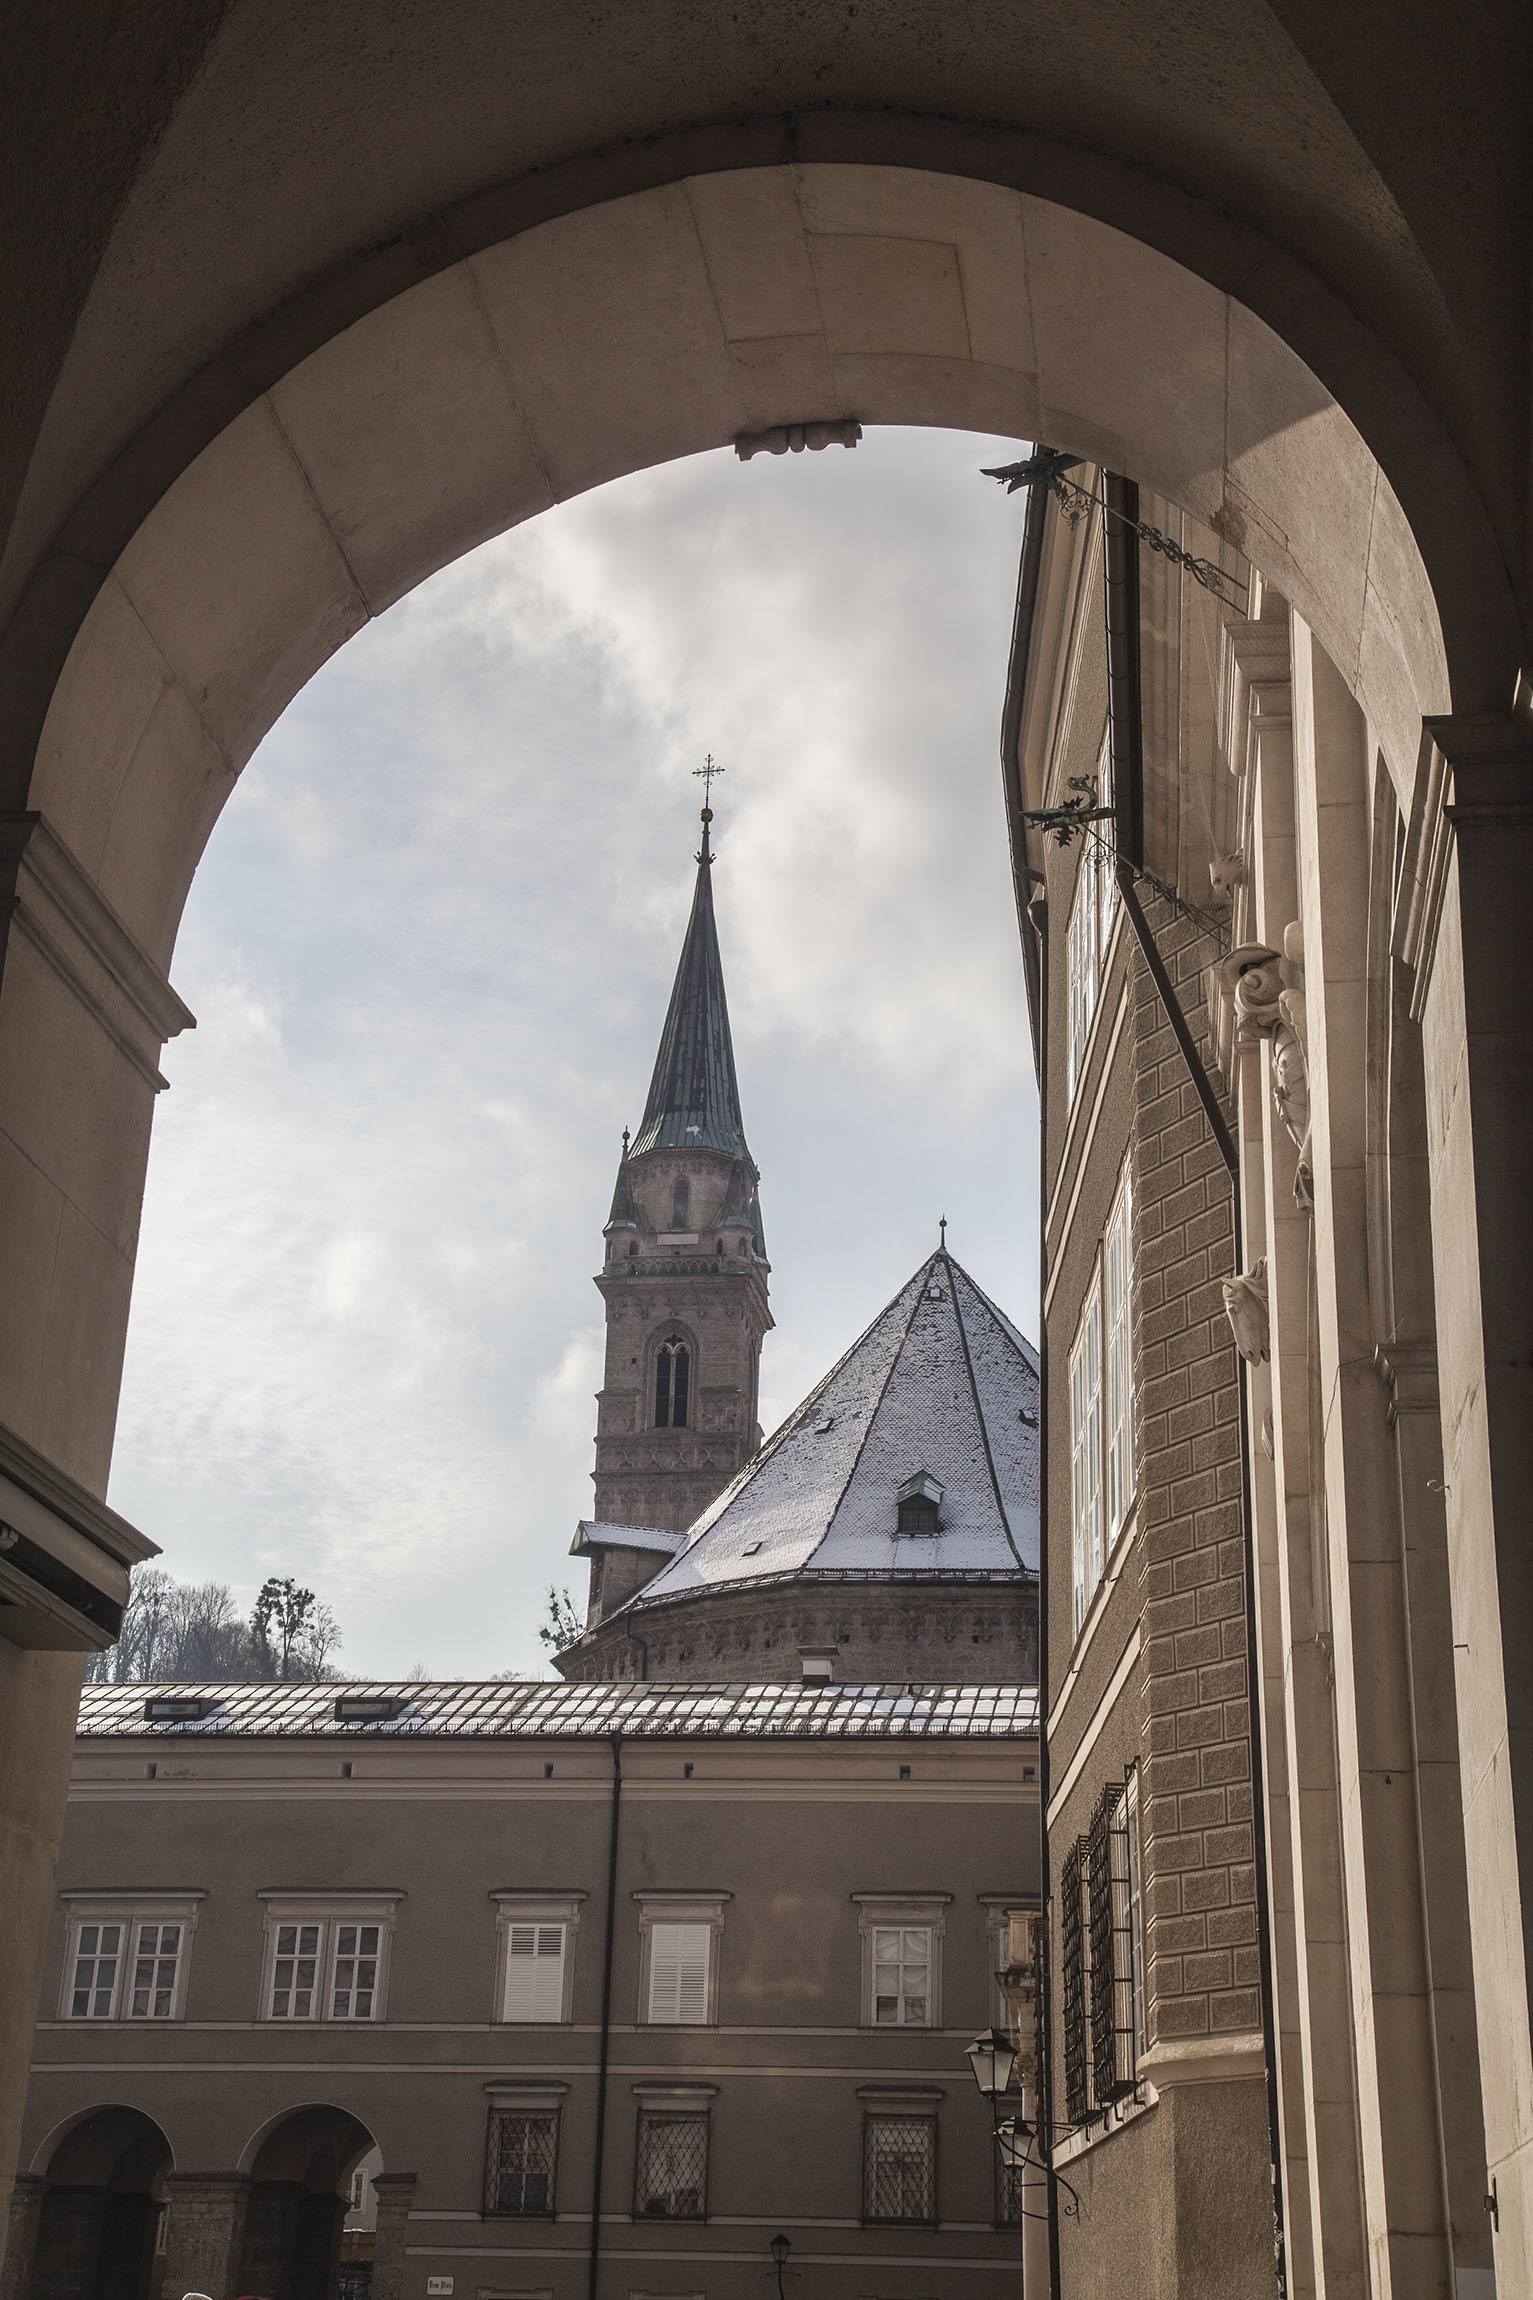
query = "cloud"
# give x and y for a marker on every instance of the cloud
(430, 947)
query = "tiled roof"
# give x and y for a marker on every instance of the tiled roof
(941, 1383)
(591, 1533)
(506, 1709)
(694, 1101)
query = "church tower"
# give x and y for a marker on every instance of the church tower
(685, 1272)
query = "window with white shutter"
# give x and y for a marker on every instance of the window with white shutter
(679, 1960)
(534, 1972)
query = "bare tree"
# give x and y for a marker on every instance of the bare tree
(321, 1639)
(190, 1633)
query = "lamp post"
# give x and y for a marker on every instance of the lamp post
(779, 2248)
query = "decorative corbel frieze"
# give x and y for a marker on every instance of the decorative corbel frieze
(1245, 1305)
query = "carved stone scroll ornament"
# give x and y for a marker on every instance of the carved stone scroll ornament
(1267, 993)
(1245, 1305)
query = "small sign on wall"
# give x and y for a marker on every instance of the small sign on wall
(435, 2284)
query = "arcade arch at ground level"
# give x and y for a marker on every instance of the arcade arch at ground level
(596, 342)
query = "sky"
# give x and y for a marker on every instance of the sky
(430, 948)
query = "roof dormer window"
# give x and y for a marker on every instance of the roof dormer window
(919, 1505)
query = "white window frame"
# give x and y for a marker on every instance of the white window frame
(1082, 971)
(1086, 1465)
(659, 1911)
(529, 2100)
(1121, 1466)
(134, 1913)
(1089, 930)
(656, 2101)
(902, 1912)
(902, 2106)
(331, 1915)
(1103, 1391)
(544, 1912)
(1103, 852)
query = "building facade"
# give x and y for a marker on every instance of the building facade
(1263, 2026)
(651, 1974)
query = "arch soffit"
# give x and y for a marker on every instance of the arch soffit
(657, 325)
(89, 2158)
(286, 2145)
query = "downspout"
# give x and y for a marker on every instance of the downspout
(1126, 737)
(1039, 916)
(593, 2265)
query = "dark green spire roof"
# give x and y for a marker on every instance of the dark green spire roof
(694, 1101)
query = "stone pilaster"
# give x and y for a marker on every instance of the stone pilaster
(25, 2217)
(1470, 865)
(205, 2234)
(395, 2193)
(1199, 1855)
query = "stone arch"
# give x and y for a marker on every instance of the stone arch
(299, 2164)
(657, 325)
(98, 2193)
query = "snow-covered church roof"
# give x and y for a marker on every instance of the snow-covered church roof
(937, 1402)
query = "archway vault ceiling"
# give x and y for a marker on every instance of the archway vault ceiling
(653, 326)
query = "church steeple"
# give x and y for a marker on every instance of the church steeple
(694, 1097)
(685, 1270)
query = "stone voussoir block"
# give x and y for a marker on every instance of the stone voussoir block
(1201, 1809)
(1235, 2009)
(1209, 1889)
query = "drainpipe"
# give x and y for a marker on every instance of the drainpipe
(1039, 916)
(593, 2263)
(1126, 737)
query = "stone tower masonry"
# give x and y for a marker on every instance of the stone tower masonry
(685, 1272)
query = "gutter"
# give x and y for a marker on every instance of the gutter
(598, 2146)
(1126, 737)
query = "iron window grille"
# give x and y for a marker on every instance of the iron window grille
(1113, 2056)
(671, 2165)
(1008, 2194)
(899, 2170)
(1072, 1962)
(521, 2158)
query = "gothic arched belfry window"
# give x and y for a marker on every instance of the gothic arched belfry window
(680, 1199)
(673, 1373)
